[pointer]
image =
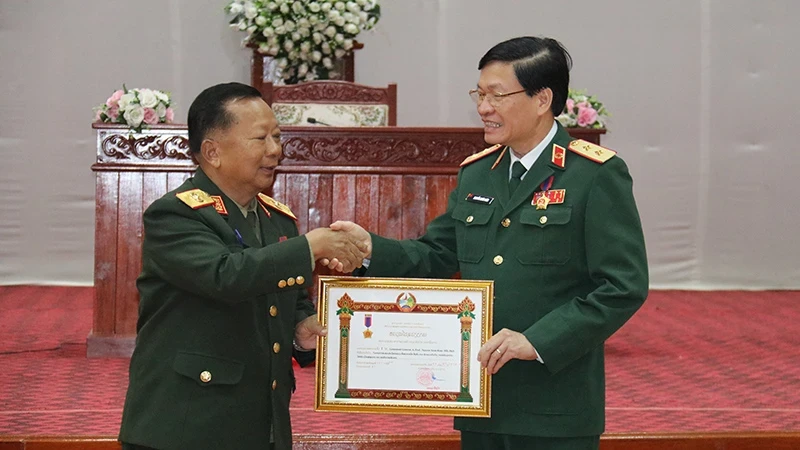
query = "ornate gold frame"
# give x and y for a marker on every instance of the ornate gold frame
(461, 403)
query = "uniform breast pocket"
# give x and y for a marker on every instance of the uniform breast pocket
(215, 382)
(208, 370)
(471, 231)
(547, 236)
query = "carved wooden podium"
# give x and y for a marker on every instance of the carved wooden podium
(391, 180)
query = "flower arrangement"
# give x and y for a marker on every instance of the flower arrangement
(303, 36)
(583, 111)
(136, 108)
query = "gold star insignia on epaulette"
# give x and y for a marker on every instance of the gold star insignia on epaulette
(276, 205)
(195, 198)
(591, 151)
(472, 158)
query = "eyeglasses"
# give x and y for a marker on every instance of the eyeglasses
(493, 98)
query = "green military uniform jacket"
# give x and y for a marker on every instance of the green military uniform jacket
(212, 366)
(567, 277)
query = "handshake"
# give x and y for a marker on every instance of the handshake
(341, 247)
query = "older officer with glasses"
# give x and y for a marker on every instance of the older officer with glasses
(553, 222)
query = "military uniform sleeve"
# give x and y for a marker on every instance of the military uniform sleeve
(617, 264)
(198, 252)
(431, 256)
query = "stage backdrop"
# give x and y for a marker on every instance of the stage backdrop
(701, 92)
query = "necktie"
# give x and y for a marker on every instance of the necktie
(517, 170)
(252, 219)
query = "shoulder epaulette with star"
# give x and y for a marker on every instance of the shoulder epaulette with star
(195, 198)
(474, 157)
(591, 151)
(276, 205)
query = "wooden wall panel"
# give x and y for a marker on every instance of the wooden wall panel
(414, 199)
(297, 198)
(129, 255)
(320, 200)
(367, 206)
(278, 189)
(175, 179)
(437, 190)
(391, 180)
(105, 252)
(154, 186)
(343, 206)
(390, 206)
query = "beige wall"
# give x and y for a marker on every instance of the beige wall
(701, 92)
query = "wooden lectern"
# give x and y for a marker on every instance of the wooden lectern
(391, 180)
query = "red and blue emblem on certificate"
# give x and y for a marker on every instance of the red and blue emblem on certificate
(406, 302)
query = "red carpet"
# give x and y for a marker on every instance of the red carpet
(688, 361)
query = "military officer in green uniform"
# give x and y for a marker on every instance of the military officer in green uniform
(223, 297)
(553, 222)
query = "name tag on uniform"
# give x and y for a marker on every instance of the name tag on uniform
(482, 199)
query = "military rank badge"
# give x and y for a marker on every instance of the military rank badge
(367, 324)
(219, 205)
(542, 199)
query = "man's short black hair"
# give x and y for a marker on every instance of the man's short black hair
(209, 111)
(538, 63)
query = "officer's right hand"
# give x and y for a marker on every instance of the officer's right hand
(327, 244)
(358, 233)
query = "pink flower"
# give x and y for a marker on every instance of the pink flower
(170, 115)
(583, 105)
(150, 116)
(114, 99)
(586, 116)
(113, 113)
(97, 114)
(570, 104)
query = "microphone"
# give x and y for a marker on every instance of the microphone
(315, 121)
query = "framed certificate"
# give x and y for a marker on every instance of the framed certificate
(404, 345)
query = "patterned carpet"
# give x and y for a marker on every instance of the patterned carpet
(688, 361)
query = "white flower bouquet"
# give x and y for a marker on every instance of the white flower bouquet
(303, 36)
(136, 108)
(583, 111)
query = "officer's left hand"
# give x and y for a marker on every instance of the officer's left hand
(503, 347)
(306, 332)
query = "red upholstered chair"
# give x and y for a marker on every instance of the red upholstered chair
(332, 103)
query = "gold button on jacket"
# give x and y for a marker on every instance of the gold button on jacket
(276, 347)
(290, 281)
(498, 260)
(300, 279)
(273, 310)
(205, 376)
(282, 284)
(506, 222)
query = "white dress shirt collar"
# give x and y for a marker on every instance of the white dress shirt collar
(534, 154)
